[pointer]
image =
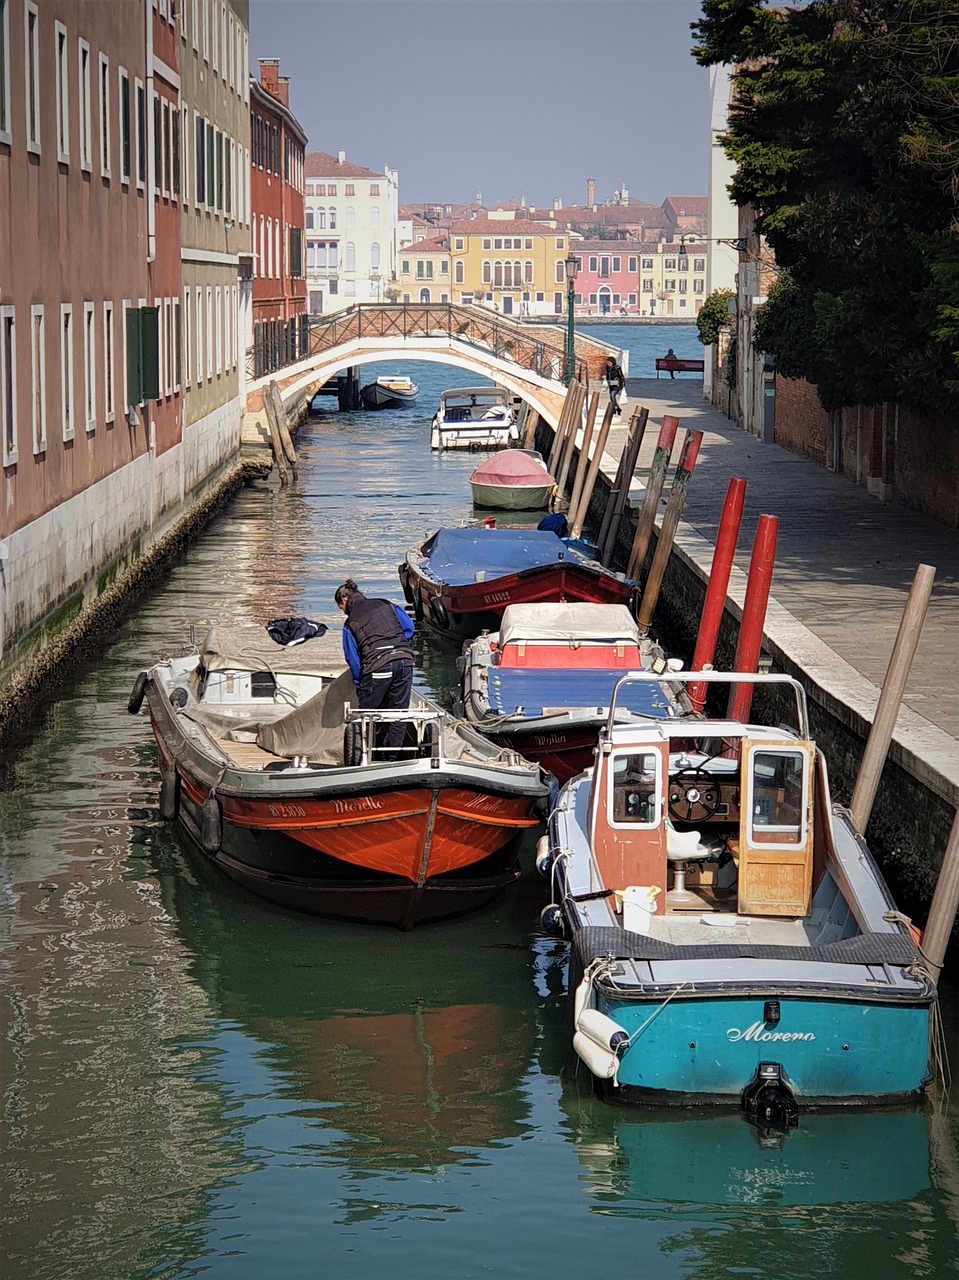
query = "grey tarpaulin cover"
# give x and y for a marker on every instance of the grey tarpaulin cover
(248, 648)
(314, 730)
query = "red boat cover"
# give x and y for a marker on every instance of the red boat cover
(512, 467)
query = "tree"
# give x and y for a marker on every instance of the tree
(845, 133)
(714, 315)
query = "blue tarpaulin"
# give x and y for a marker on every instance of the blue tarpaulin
(534, 688)
(455, 555)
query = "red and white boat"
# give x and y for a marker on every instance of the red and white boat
(461, 580)
(543, 683)
(278, 779)
(512, 480)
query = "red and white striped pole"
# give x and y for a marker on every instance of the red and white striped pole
(718, 585)
(754, 614)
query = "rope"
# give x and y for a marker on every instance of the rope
(656, 1012)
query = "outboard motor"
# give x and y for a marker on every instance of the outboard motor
(768, 1101)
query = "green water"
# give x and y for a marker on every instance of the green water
(194, 1083)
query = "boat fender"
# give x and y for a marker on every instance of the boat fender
(438, 612)
(211, 825)
(135, 701)
(404, 572)
(603, 1063)
(602, 1030)
(544, 858)
(551, 919)
(169, 793)
(417, 604)
(179, 697)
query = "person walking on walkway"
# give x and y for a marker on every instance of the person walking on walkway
(616, 381)
(376, 645)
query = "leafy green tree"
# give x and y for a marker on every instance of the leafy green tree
(714, 315)
(845, 134)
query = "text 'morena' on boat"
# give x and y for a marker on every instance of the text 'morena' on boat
(732, 938)
(277, 776)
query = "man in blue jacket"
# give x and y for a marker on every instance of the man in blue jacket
(376, 645)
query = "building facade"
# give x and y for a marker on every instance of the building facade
(351, 232)
(278, 148)
(425, 271)
(516, 266)
(607, 282)
(672, 278)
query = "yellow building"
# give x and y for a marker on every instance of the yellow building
(672, 283)
(516, 267)
(424, 271)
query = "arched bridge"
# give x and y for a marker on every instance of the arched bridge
(527, 359)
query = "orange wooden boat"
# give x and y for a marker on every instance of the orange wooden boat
(280, 781)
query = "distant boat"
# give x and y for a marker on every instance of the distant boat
(389, 393)
(474, 418)
(513, 480)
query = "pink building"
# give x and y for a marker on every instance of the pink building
(608, 279)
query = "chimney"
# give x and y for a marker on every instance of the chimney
(283, 91)
(341, 157)
(590, 191)
(557, 202)
(269, 74)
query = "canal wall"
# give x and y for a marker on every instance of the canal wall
(67, 578)
(917, 799)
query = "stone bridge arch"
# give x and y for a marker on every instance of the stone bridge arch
(529, 360)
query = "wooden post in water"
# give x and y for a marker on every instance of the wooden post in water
(754, 615)
(890, 697)
(529, 428)
(582, 461)
(945, 902)
(654, 487)
(716, 588)
(620, 491)
(559, 438)
(569, 446)
(279, 453)
(279, 408)
(667, 533)
(582, 508)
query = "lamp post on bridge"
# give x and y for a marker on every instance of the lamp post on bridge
(572, 269)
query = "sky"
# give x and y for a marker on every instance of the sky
(506, 98)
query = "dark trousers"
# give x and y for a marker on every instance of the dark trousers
(388, 688)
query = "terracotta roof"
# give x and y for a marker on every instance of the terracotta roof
(502, 227)
(320, 165)
(436, 244)
(691, 206)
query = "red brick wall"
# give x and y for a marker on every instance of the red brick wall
(801, 421)
(927, 466)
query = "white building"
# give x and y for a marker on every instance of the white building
(351, 232)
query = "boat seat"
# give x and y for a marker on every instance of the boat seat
(683, 847)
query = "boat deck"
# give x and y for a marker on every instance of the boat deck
(537, 690)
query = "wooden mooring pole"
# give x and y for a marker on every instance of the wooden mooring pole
(715, 602)
(654, 487)
(667, 532)
(945, 903)
(620, 490)
(890, 697)
(582, 507)
(582, 462)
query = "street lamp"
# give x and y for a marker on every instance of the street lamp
(572, 270)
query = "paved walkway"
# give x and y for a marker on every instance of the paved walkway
(845, 562)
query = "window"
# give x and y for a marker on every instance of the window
(38, 364)
(126, 127)
(330, 189)
(198, 318)
(109, 402)
(405, 268)
(634, 789)
(174, 150)
(647, 264)
(699, 264)
(351, 256)
(209, 332)
(218, 330)
(183, 135)
(670, 264)
(309, 220)
(66, 371)
(89, 369)
(187, 339)
(374, 188)
(776, 795)
(199, 151)
(560, 243)
(617, 265)
(459, 242)
(375, 218)
(8, 375)
(5, 75)
(487, 244)
(142, 354)
(374, 256)
(210, 166)
(83, 106)
(141, 134)
(560, 270)
(683, 263)
(332, 219)
(647, 286)
(699, 286)
(350, 218)
(31, 32)
(604, 268)
(296, 252)
(458, 273)
(683, 285)
(61, 54)
(593, 264)
(349, 189)
(631, 265)
(105, 169)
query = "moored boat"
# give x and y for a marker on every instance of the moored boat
(474, 418)
(543, 683)
(461, 580)
(389, 392)
(512, 480)
(279, 779)
(732, 939)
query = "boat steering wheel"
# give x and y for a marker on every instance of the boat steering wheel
(694, 796)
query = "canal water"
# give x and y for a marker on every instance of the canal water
(195, 1083)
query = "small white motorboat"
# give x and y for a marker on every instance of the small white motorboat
(474, 418)
(514, 480)
(391, 392)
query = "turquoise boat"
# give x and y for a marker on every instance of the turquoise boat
(731, 936)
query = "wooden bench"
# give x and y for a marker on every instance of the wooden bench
(671, 364)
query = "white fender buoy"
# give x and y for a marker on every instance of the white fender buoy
(602, 1062)
(597, 1038)
(543, 858)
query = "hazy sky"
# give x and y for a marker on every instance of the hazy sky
(510, 98)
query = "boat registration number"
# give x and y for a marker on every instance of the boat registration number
(287, 811)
